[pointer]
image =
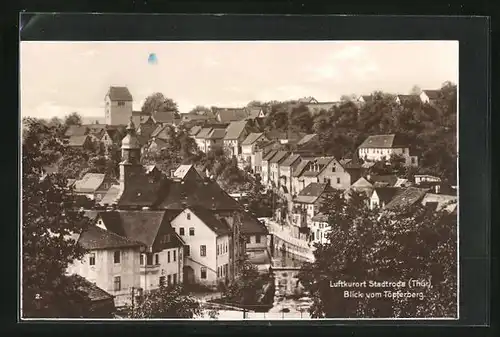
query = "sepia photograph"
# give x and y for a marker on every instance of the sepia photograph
(239, 180)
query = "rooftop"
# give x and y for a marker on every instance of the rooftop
(383, 141)
(119, 94)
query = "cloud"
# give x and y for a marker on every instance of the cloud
(364, 71)
(326, 71)
(348, 53)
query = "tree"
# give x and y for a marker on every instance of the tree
(158, 102)
(50, 221)
(200, 110)
(415, 90)
(411, 243)
(73, 118)
(348, 98)
(300, 119)
(167, 302)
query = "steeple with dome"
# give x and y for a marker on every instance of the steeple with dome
(131, 155)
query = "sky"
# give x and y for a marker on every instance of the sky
(61, 77)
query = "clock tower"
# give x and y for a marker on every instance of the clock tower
(131, 156)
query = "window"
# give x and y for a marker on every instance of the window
(168, 257)
(218, 271)
(203, 273)
(203, 250)
(225, 269)
(338, 180)
(191, 231)
(175, 255)
(188, 215)
(225, 247)
(257, 238)
(157, 259)
(117, 256)
(169, 279)
(165, 239)
(413, 160)
(218, 250)
(186, 250)
(141, 259)
(92, 259)
(181, 231)
(121, 103)
(149, 259)
(162, 281)
(118, 283)
(334, 168)
(174, 279)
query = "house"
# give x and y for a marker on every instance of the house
(405, 99)
(93, 185)
(407, 197)
(286, 168)
(274, 167)
(261, 149)
(306, 205)
(307, 100)
(194, 130)
(165, 117)
(112, 136)
(118, 106)
(385, 180)
(163, 132)
(255, 113)
(147, 127)
(80, 142)
(298, 182)
(207, 246)
(111, 263)
(236, 133)
(319, 229)
(440, 202)
(256, 238)
(266, 167)
(382, 147)
(381, 196)
(248, 148)
(200, 138)
(185, 172)
(193, 117)
(420, 178)
(215, 139)
(316, 108)
(76, 130)
(139, 117)
(228, 115)
(430, 96)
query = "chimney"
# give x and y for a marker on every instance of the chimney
(437, 189)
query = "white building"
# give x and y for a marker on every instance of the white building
(382, 147)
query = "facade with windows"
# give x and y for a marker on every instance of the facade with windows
(207, 246)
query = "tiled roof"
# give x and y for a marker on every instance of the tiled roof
(384, 180)
(217, 134)
(217, 226)
(194, 130)
(164, 116)
(269, 155)
(89, 183)
(235, 129)
(140, 113)
(386, 194)
(119, 94)
(252, 138)
(97, 238)
(227, 115)
(442, 201)
(292, 159)
(305, 99)
(182, 170)
(253, 112)
(141, 190)
(310, 174)
(276, 135)
(300, 168)
(367, 98)
(77, 140)
(322, 105)
(323, 160)
(311, 193)
(203, 134)
(407, 197)
(320, 217)
(252, 225)
(94, 292)
(111, 196)
(76, 130)
(279, 157)
(432, 94)
(382, 141)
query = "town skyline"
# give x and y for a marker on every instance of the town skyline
(60, 78)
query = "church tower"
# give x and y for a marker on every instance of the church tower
(131, 156)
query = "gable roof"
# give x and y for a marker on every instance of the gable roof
(97, 238)
(311, 193)
(441, 201)
(141, 190)
(306, 99)
(77, 141)
(94, 293)
(292, 159)
(119, 94)
(405, 98)
(251, 225)
(164, 116)
(89, 183)
(432, 94)
(269, 155)
(301, 167)
(382, 141)
(219, 227)
(183, 170)
(111, 196)
(320, 217)
(226, 115)
(76, 130)
(235, 129)
(279, 157)
(252, 138)
(203, 134)
(383, 180)
(194, 130)
(409, 196)
(367, 98)
(386, 194)
(216, 134)
(307, 138)
(254, 112)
